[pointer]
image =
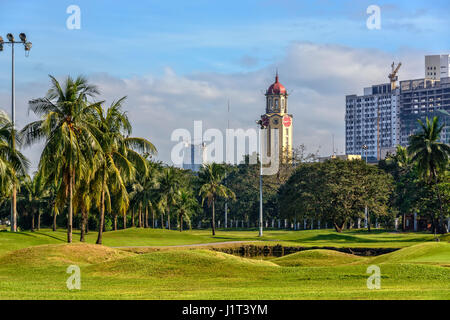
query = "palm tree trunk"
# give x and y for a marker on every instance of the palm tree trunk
(213, 223)
(140, 215)
(404, 222)
(125, 221)
(168, 215)
(162, 221)
(102, 212)
(83, 226)
(146, 217)
(153, 217)
(38, 220)
(181, 222)
(32, 220)
(69, 222)
(115, 222)
(54, 219)
(132, 218)
(14, 209)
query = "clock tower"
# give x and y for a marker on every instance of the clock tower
(277, 117)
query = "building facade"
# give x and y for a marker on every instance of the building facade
(277, 117)
(372, 125)
(194, 156)
(422, 98)
(437, 66)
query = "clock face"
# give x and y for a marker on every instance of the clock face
(287, 121)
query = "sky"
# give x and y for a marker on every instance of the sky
(180, 61)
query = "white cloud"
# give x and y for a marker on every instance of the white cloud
(318, 78)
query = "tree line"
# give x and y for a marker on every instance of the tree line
(94, 173)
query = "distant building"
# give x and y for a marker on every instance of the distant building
(194, 156)
(372, 119)
(386, 114)
(437, 66)
(423, 98)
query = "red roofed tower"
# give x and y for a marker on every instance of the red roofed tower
(277, 117)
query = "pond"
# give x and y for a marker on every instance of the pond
(268, 252)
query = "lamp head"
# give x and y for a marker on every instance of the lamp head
(23, 37)
(28, 46)
(10, 37)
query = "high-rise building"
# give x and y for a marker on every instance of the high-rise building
(372, 122)
(437, 66)
(277, 117)
(422, 98)
(383, 117)
(194, 156)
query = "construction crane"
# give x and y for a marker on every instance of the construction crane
(393, 75)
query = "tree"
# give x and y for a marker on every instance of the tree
(170, 184)
(65, 126)
(407, 190)
(145, 191)
(432, 158)
(33, 190)
(185, 205)
(335, 191)
(117, 159)
(212, 187)
(13, 163)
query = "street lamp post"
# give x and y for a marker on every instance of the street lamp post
(366, 211)
(261, 125)
(27, 47)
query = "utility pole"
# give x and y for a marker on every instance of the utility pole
(262, 125)
(366, 210)
(27, 46)
(226, 200)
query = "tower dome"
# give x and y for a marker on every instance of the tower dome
(276, 87)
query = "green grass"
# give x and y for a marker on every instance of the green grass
(318, 258)
(157, 237)
(33, 266)
(203, 274)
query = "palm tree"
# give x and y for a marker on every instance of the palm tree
(145, 193)
(13, 164)
(431, 156)
(186, 203)
(69, 143)
(117, 159)
(211, 177)
(169, 187)
(34, 191)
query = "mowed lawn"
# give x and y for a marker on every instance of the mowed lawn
(33, 266)
(158, 237)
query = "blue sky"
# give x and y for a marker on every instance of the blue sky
(215, 45)
(125, 38)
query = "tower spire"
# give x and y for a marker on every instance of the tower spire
(276, 75)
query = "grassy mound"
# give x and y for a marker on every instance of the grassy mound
(198, 263)
(62, 254)
(429, 252)
(317, 258)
